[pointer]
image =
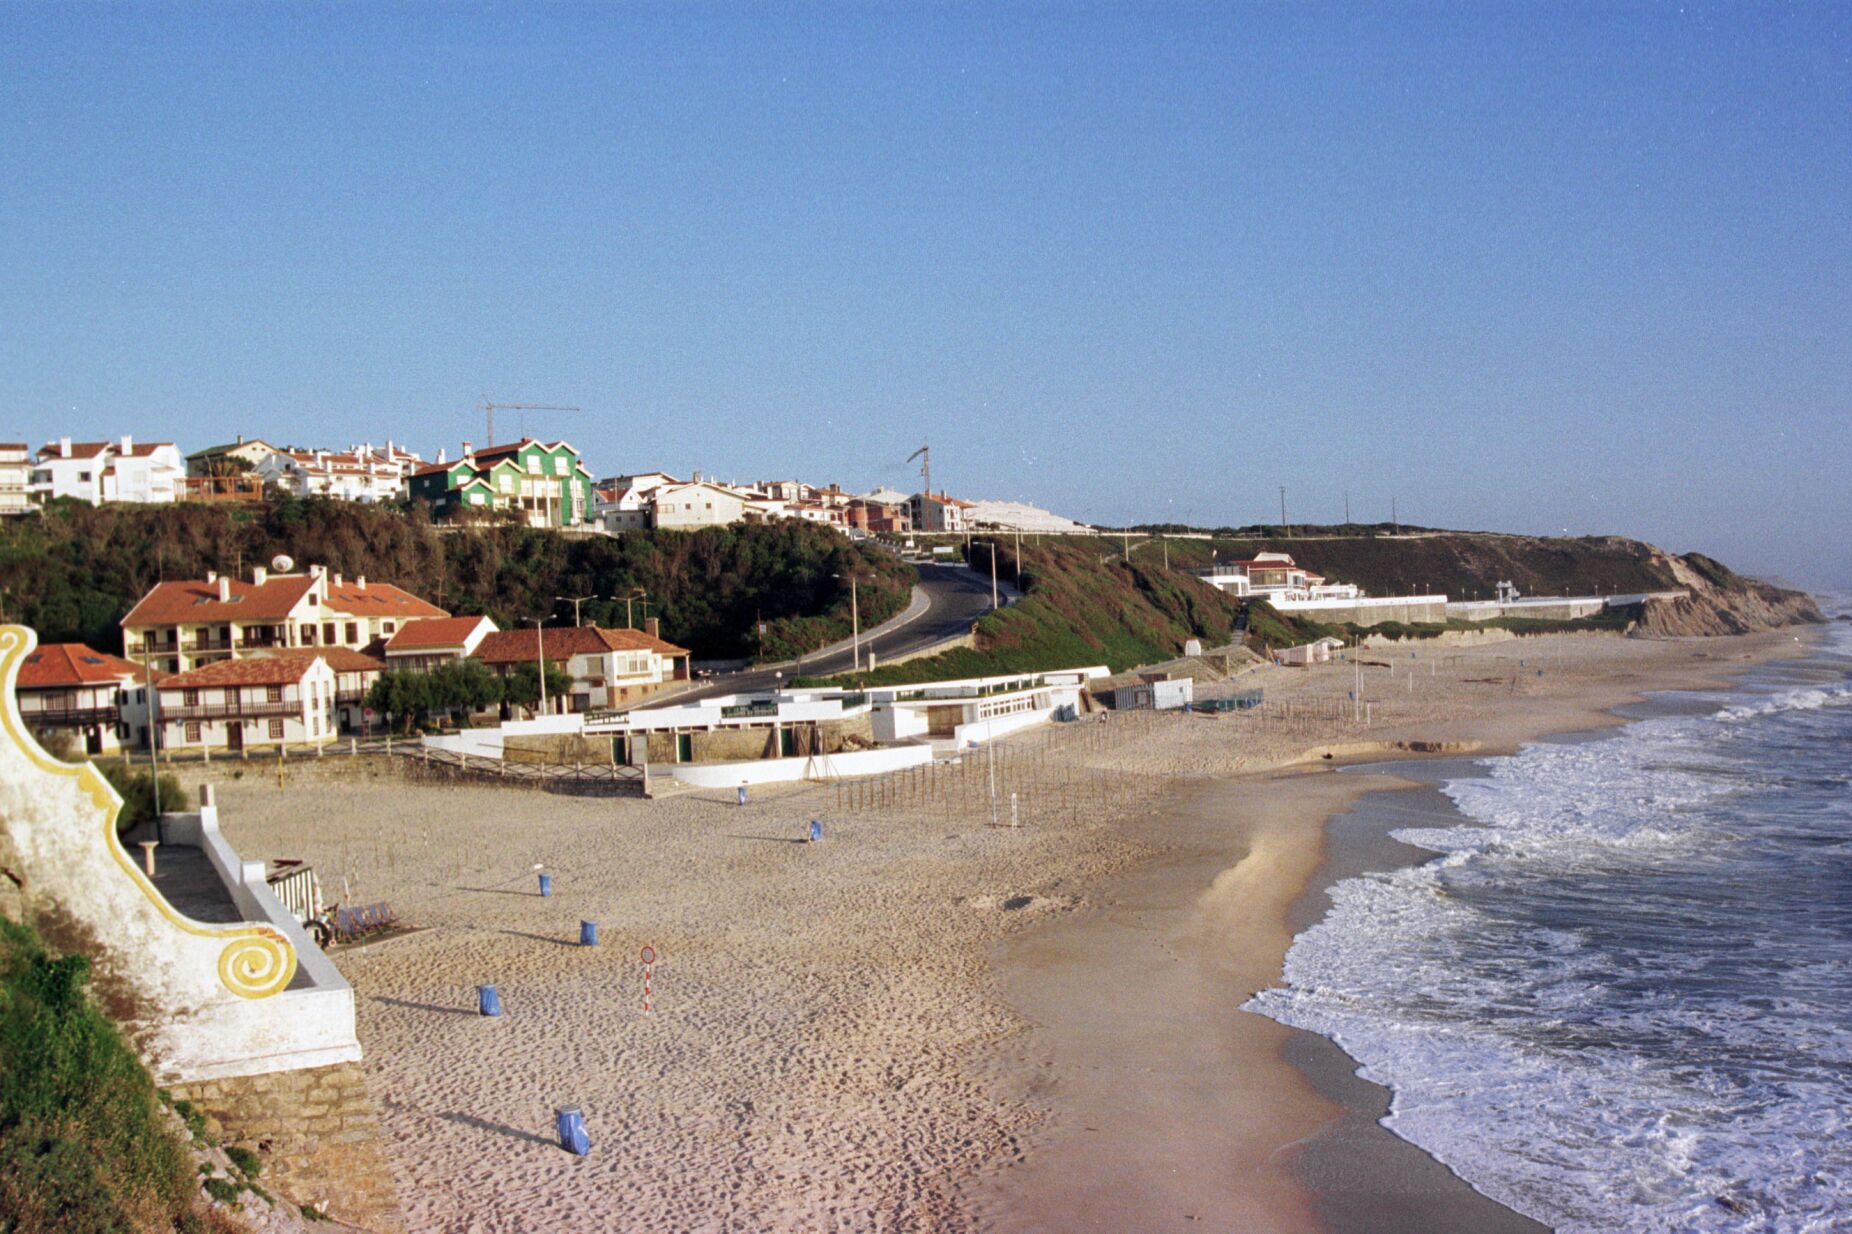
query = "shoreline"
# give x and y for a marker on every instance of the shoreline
(838, 1040)
(1317, 1156)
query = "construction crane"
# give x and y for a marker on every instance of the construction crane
(491, 408)
(924, 454)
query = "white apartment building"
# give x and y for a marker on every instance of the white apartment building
(237, 704)
(100, 471)
(181, 625)
(15, 477)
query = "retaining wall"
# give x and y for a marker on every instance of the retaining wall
(318, 1132)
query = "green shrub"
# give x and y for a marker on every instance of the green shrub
(83, 1145)
(247, 1161)
(136, 785)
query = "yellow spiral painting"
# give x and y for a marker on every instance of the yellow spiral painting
(257, 965)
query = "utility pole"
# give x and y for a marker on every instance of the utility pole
(855, 623)
(1286, 531)
(1395, 520)
(540, 658)
(1347, 507)
(924, 454)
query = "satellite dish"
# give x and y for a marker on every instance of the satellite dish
(282, 563)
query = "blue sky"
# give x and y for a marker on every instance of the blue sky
(1522, 267)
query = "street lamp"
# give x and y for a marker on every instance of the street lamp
(855, 620)
(630, 624)
(575, 601)
(992, 546)
(540, 659)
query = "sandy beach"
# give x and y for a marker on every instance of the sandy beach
(924, 1022)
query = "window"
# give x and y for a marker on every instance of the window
(192, 730)
(190, 698)
(387, 626)
(475, 499)
(353, 631)
(328, 632)
(276, 729)
(561, 466)
(507, 483)
(533, 464)
(273, 693)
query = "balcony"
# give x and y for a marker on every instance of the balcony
(249, 639)
(232, 711)
(71, 717)
(209, 642)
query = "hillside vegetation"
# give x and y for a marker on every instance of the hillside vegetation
(73, 572)
(1086, 603)
(1082, 604)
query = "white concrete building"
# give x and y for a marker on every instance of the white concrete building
(686, 507)
(348, 476)
(15, 478)
(1019, 516)
(100, 471)
(234, 705)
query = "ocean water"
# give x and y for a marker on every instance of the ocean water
(1622, 1001)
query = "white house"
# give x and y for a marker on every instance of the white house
(685, 507)
(608, 667)
(91, 694)
(237, 704)
(349, 476)
(15, 478)
(100, 471)
(422, 645)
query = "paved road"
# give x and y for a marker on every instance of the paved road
(959, 595)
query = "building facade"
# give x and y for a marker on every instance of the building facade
(346, 476)
(546, 485)
(97, 698)
(15, 478)
(422, 645)
(181, 625)
(235, 705)
(609, 668)
(102, 471)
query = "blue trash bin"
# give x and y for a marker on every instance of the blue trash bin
(546, 884)
(816, 831)
(588, 934)
(572, 1135)
(488, 1002)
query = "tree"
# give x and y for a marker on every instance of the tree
(522, 685)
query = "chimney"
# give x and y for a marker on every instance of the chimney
(128, 444)
(337, 578)
(259, 575)
(318, 570)
(360, 581)
(64, 447)
(653, 626)
(212, 576)
(225, 588)
(466, 449)
(441, 460)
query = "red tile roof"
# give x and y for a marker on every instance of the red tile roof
(197, 601)
(340, 659)
(517, 646)
(378, 600)
(428, 632)
(272, 671)
(74, 664)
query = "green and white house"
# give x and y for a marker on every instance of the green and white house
(547, 484)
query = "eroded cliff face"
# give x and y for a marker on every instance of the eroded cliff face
(1721, 602)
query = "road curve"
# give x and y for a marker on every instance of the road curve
(958, 596)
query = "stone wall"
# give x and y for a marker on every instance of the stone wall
(318, 1133)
